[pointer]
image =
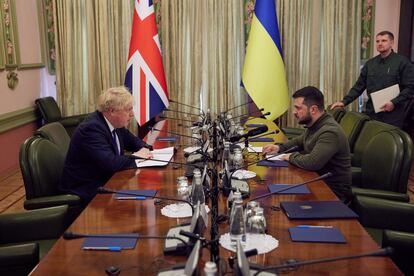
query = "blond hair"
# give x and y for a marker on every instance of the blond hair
(115, 98)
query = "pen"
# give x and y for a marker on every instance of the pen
(131, 197)
(108, 248)
(315, 226)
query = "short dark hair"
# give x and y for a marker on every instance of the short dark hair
(390, 34)
(311, 96)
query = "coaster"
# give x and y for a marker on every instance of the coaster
(263, 243)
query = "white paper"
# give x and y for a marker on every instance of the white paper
(380, 97)
(275, 157)
(164, 154)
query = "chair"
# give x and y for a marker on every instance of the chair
(51, 113)
(384, 169)
(390, 223)
(352, 123)
(26, 237)
(41, 164)
(56, 133)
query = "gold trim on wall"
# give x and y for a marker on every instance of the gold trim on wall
(18, 118)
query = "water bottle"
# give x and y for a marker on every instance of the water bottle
(237, 224)
(210, 269)
(197, 191)
(230, 200)
(226, 153)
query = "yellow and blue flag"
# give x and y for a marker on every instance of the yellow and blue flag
(264, 76)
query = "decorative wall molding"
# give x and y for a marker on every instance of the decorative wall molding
(18, 118)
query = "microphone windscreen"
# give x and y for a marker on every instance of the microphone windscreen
(257, 131)
(70, 235)
(102, 190)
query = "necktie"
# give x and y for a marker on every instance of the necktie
(114, 141)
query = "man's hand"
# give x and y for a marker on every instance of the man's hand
(270, 149)
(337, 104)
(285, 156)
(388, 107)
(143, 153)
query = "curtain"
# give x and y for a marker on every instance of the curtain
(92, 41)
(321, 43)
(203, 50)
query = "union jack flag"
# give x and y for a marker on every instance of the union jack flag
(145, 76)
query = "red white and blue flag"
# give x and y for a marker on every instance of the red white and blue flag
(145, 76)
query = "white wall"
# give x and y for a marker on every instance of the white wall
(387, 18)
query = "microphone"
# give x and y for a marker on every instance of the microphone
(173, 133)
(237, 106)
(178, 119)
(102, 190)
(276, 131)
(252, 132)
(254, 112)
(379, 253)
(182, 112)
(195, 107)
(326, 175)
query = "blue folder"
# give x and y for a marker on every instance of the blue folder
(110, 241)
(273, 163)
(261, 139)
(297, 190)
(167, 138)
(255, 125)
(316, 234)
(317, 210)
(145, 193)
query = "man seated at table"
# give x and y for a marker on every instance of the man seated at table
(323, 146)
(96, 148)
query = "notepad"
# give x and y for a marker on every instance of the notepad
(273, 188)
(316, 234)
(131, 193)
(261, 139)
(167, 138)
(273, 163)
(317, 210)
(110, 242)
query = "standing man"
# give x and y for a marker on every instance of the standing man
(97, 147)
(323, 146)
(384, 70)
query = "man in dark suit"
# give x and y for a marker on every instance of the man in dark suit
(96, 148)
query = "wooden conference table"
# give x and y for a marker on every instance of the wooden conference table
(107, 215)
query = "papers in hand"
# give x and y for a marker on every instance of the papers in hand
(164, 154)
(275, 157)
(383, 96)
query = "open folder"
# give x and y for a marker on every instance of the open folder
(164, 154)
(315, 233)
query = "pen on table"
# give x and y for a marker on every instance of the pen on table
(315, 226)
(107, 248)
(131, 197)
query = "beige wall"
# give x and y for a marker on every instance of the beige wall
(387, 17)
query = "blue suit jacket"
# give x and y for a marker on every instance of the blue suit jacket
(91, 159)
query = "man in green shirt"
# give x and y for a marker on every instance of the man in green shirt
(384, 70)
(323, 146)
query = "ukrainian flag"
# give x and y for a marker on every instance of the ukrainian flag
(264, 76)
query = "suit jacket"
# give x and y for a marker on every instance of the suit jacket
(92, 160)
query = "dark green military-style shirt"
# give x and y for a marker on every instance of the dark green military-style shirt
(324, 148)
(379, 73)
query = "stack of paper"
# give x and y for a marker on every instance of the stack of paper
(163, 156)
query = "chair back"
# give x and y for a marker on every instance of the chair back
(336, 113)
(382, 161)
(407, 159)
(41, 163)
(49, 109)
(351, 124)
(56, 133)
(369, 130)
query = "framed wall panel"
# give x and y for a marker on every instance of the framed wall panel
(9, 45)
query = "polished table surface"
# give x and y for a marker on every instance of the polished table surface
(105, 214)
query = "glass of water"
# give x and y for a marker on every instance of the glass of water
(182, 185)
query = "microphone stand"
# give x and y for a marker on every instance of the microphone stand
(172, 101)
(215, 253)
(68, 235)
(182, 112)
(102, 190)
(379, 253)
(237, 106)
